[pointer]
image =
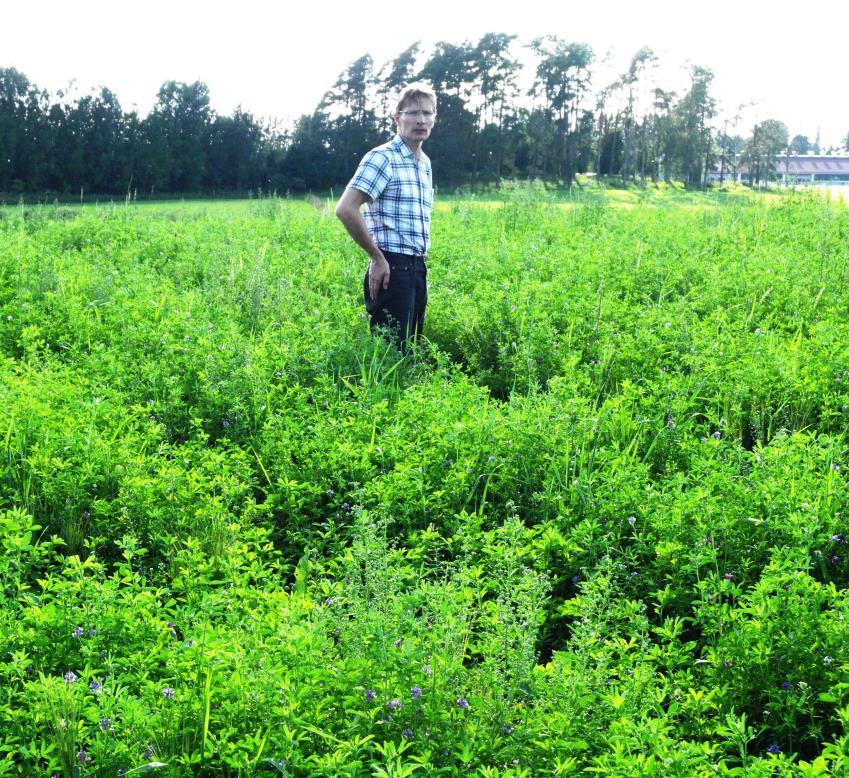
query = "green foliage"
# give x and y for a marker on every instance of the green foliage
(488, 132)
(595, 524)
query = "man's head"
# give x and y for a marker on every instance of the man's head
(415, 93)
(415, 113)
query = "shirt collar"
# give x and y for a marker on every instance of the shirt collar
(401, 146)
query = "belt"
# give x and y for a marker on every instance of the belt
(412, 263)
(403, 257)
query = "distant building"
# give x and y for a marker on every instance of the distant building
(793, 169)
(812, 168)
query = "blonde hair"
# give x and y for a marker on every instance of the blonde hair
(413, 93)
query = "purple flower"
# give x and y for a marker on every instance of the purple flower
(29, 670)
(78, 632)
(330, 493)
(83, 757)
(773, 749)
(408, 733)
(168, 693)
(462, 703)
(836, 559)
(786, 686)
(397, 643)
(394, 705)
(426, 669)
(329, 601)
(105, 724)
(148, 753)
(717, 435)
(726, 663)
(96, 687)
(491, 459)
(70, 677)
(370, 695)
(416, 692)
(728, 576)
(838, 539)
(632, 520)
(91, 632)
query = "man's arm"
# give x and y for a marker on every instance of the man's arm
(348, 212)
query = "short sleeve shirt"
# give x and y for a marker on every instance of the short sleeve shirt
(401, 194)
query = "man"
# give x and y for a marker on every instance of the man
(395, 184)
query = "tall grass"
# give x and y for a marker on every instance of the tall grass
(596, 521)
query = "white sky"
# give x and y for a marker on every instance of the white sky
(277, 59)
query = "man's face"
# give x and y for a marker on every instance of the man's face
(415, 120)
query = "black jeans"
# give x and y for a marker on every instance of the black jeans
(401, 306)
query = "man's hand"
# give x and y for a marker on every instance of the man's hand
(348, 211)
(378, 275)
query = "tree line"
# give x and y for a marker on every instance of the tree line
(90, 144)
(499, 117)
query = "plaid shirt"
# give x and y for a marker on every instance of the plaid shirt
(401, 194)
